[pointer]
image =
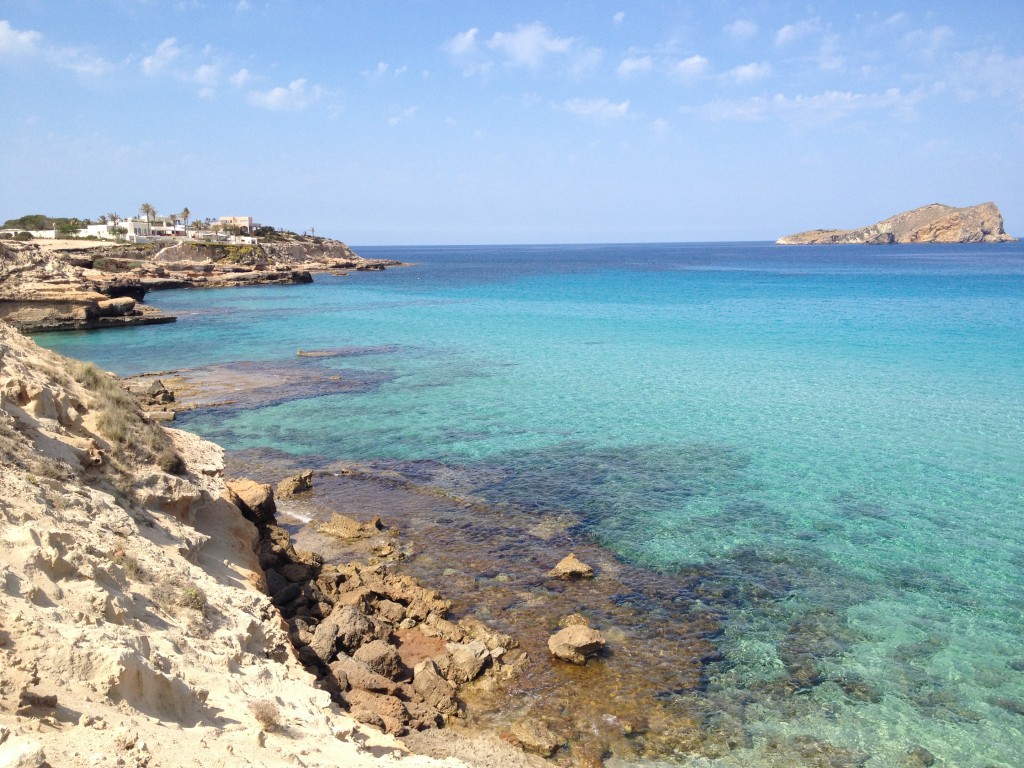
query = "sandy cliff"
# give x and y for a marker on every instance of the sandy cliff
(929, 224)
(133, 628)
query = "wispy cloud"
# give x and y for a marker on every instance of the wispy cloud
(793, 32)
(633, 64)
(599, 108)
(462, 43)
(988, 73)
(15, 42)
(297, 95)
(749, 73)
(402, 116)
(164, 54)
(618, 17)
(741, 29)
(822, 108)
(240, 78)
(529, 44)
(690, 67)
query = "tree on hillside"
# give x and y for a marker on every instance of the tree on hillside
(184, 216)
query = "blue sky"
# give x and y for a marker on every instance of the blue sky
(385, 122)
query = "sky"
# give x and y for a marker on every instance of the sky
(458, 122)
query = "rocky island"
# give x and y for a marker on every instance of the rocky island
(933, 223)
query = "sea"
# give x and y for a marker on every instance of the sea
(797, 470)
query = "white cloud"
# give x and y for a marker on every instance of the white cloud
(661, 126)
(298, 95)
(79, 62)
(635, 64)
(404, 115)
(993, 74)
(828, 56)
(240, 78)
(618, 17)
(207, 93)
(822, 108)
(691, 67)
(601, 108)
(165, 53)
(242, 6)
(529, 44)
(463, 43)
(741, 29)
(793, 32)
(206, 74)
(17, 42)
(750, 73)
(928, 42)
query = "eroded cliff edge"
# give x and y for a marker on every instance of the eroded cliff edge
(60, 285)
(933, 223)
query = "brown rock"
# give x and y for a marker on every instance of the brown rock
(255, 500)
(299, 483)
(344, 527)
(381, 658)
(575, 643)
(389, 709)
(353, 628)
(464, 661)
(535, 736)
(428, 682)
(361, 677)
(571, 567)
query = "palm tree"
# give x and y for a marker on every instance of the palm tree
(148, 211)
(114, 219)
(185, 215)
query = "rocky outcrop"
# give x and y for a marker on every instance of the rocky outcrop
(378, 641)
(133, 626)
(47, 286)
(929, 224)
(575, 643)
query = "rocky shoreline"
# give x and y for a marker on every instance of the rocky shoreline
(67, 285)
(135, 624)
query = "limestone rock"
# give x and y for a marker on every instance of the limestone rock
(575, 643)
(428, 682)
(571, 567)
(535, 736)
(933, 223)
(255, 500)
(464, 661)
(295, 484)
(381, 657)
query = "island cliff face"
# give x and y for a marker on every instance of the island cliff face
(933, 223)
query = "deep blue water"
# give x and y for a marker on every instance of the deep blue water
(854, 413)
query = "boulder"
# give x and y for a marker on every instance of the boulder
(343, 527)
(368, 707)
(535, 736)
(571, 567)
(360, 677)
(115, 307)
(575, 643)
(428, 682)
(380, 657)
(299, 483)
(255, 500)
(353, 628)
(464, 661)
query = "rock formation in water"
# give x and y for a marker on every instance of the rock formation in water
(933, 223)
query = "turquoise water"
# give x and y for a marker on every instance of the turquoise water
(845, 422)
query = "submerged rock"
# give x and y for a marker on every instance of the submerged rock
(299, 483)
(575, 643)
(571, 567)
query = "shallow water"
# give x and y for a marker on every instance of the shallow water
(820, 448)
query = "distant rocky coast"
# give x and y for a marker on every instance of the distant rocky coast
(61, 285)
(933, 223)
